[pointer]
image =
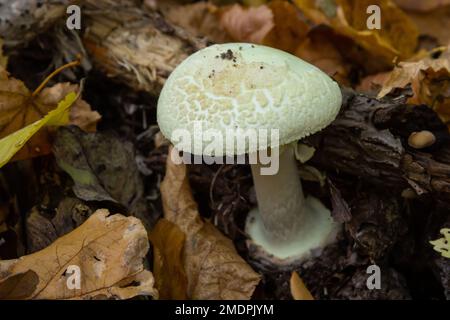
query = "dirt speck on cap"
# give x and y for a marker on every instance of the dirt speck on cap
(228, 55)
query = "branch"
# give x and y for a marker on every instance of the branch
(369, 140)
(138, 47)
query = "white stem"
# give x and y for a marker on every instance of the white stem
(280, 198)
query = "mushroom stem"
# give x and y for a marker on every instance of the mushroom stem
(280, 198)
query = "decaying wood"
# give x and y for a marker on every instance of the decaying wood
(131, 43)
(369, 140)
(137, 47)
(22, 20)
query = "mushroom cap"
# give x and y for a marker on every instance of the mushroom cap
(240, 86)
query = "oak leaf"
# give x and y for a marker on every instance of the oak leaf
(108, 249)
(429, 79)
(397, 36)
(213, 267)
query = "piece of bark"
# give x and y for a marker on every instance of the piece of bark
(393, 287)
(368, 140)
(138, 47)
(22, 20)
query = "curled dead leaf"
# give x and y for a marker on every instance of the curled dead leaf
(108, 249)
(397, 36)
(429, 79)
(213, 267)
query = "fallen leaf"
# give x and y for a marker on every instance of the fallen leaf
(96, 162)
(442, 245)
(433, 24)
(277, 25)
(288, 29)
(372, 84)
(247, 24)
(429, 79)
(3, 59)
(298, 288)
(201, 19)
(254, 3)
(42, 229)
(397, 36)
(420, 5)
(168, 244)
(213, 267)
(319, 49)
(13, 144)
(108, 249)
(20, 109)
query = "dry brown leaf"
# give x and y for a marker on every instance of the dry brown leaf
(298, 288)
(373, 83)
(213, 267)
(429, 79)
(421, 5)
(109, 250)
(168, 244)
(18, 109)
(434, 24)
(276, 25)
(200, 19)
(396, 38)
(288, 28)
(3, 59)
(319, 49)
(247, 24)
(254, 3)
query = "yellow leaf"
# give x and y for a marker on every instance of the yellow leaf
(12, 143)
(20, 108)
(397, 36)
(109, 251)
(298, 288)
(442, 245)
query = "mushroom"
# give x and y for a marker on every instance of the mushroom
(244, 86)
